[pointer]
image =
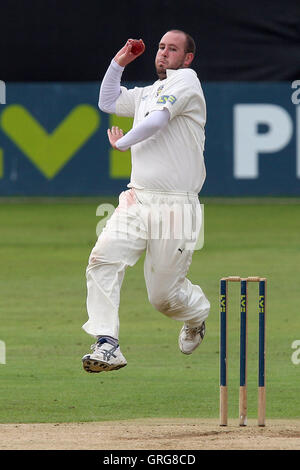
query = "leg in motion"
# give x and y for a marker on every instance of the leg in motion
(116, 249)
(170, 292)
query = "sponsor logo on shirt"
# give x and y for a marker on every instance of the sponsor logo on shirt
(165, 98)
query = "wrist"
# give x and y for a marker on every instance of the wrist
(121, 61)
(116, 65)
(118, 146)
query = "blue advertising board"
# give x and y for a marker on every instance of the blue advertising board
(53, 140)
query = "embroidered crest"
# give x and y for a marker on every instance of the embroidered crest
(159, 90)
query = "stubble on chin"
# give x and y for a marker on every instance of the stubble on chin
(161, 75)
(162, 72)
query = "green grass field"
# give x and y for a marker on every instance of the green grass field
(44, 248)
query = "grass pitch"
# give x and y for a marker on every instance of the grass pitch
(44, 249)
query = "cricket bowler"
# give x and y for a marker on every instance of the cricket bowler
(159, 211)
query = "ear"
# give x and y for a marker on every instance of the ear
(188, 59)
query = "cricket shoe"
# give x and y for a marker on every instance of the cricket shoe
(190, 337)
(106, 356)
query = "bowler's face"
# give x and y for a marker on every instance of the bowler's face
(171, 53)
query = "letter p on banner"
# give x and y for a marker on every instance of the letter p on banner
(2, 92)
(249, 143)
(2, 353)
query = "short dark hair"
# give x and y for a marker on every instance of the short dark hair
(190, 45)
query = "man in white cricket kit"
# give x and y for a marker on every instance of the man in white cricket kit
(158, 213)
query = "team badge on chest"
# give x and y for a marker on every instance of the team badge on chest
(159, 90)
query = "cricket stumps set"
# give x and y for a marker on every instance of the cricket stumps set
(243, 348)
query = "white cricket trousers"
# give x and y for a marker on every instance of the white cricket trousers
(165, 225)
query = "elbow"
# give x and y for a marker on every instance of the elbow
(106, 108)
(103, 107)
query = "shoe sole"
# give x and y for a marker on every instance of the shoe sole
(95, 366)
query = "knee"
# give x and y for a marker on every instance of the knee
(161, 301)
(96, 258)
(103, 253)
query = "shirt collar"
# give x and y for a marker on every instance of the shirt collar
(170, 72)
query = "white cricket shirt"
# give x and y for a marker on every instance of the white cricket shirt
(171, 159)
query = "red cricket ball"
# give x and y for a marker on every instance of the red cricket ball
(137, 46)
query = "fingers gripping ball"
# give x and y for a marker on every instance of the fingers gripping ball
(137, 46)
